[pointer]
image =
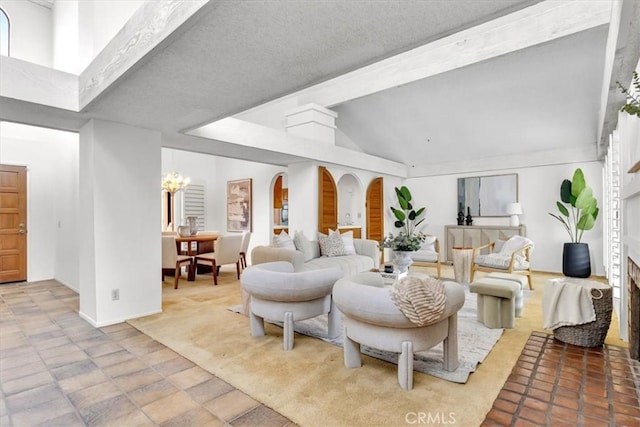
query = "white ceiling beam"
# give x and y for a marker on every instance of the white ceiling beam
(621, 57)
(239, 132)
(540, 23)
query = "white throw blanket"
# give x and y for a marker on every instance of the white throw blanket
(566, 303)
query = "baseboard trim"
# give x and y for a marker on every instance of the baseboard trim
(95, 324)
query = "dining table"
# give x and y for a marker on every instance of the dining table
(204, 242)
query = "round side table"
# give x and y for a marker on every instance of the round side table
(462, 263)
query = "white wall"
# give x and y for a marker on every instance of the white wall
(65, 36)
(119, 221)
(214, 172)
(99, 22)
(30, 31)
(539, 189)
(51, 158)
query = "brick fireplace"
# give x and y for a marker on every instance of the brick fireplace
(634, 309)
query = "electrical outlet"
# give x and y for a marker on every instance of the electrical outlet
(115, 294)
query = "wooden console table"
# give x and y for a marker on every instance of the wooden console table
(477, 235)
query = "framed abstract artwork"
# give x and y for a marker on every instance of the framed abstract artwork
(239, 205)
(487, 195)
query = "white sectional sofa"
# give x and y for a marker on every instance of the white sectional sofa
(367, 256)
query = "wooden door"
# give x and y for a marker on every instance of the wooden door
(375, 210)
(327, 201)
(13, 223)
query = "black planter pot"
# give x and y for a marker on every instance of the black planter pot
(575, 260)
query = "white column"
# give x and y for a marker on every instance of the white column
(303, 198)
(119, 222)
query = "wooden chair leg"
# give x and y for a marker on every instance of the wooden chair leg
(214, 272)
(238, 269)
(177, 275)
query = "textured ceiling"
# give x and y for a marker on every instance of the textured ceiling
(233, 56)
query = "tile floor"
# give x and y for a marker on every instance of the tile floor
(558, 384)
(57, 370)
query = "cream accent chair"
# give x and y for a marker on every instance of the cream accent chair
(246, 237)
(371, 318)
(171, 259)
(279, 293)
(428, 255)
(226, 250)
(513, 257)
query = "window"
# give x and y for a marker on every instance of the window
(194, 203)
(4, 33)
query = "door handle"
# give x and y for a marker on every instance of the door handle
(21, 229)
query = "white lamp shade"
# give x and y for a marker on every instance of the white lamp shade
(514, 209)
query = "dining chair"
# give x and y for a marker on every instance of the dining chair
(246, 237)
(171, 259)
(226, 250)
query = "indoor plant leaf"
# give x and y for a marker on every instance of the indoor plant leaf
(565, 191)
(563, 209)
(578, 183)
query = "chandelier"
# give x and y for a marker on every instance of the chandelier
(174, 182)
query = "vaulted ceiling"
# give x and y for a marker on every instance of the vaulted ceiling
(429, 86)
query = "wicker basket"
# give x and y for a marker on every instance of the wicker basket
(590, 334)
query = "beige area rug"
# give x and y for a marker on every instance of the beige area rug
(310, 384)
(475, 341)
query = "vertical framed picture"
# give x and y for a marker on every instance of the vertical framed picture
(239, 205)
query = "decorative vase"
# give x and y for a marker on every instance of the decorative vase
(192, 222)
(576, 261)
(402, 260)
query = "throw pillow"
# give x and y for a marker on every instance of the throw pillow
(303, 245)
(331, 245)
(429, 244)
(283, 240)
(498, 246)
(347, 240)
(513, 244)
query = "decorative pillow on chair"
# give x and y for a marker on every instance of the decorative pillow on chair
(497, 248)
(429, 244)
(331, 245)
(303, 245)
(283, 240)
(347, 239)
(513, 244)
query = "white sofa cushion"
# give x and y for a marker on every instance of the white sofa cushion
(304, 245)
(283, 240)
(350, 264)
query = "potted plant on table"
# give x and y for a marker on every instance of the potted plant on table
(578, 217)
(409, 238)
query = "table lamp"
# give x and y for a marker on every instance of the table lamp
(514, 209)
